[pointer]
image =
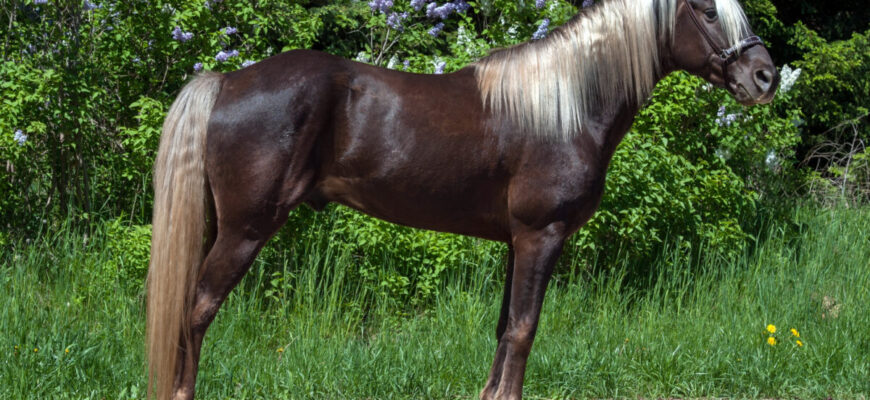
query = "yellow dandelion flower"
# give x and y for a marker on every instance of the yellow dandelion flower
(771, 328)
(799, 343)
(771, 341)
(66, 350)
(280, 350)
(795, 333)
(16, 347)
(35, 350)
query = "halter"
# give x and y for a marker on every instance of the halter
(727, 56)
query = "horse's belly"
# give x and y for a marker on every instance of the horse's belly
(473, 211)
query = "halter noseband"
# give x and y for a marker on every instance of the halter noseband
(726, 55)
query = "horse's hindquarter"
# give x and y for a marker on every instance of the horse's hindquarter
(412, 149)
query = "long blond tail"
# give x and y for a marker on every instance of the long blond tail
(178, 228)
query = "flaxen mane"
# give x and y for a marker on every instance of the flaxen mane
(605, 56)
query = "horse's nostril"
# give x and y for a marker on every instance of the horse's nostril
(763, 78)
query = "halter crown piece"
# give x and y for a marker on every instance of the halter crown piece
(727, 55)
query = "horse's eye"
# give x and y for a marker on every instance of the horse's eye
(711, 14)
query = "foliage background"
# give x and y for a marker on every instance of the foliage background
(88, 84)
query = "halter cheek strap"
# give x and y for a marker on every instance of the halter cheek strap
(729, 55)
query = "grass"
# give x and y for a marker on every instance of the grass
(71, 326)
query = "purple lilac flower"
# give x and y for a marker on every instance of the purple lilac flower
(417, 4)
(248, 63)
(230, 30)
(539, 4)
(587, 3)
(88, 6)
(381, 5)
(436, 29)
(223, 56)
(210, 3)
(395, 20)
(461, 6)
(444, 11)
(20, 137)
(725, 119)
(40, 1)
(197, 67)
(542, 30)
(406, 64)
(180, 35)
(439, 67)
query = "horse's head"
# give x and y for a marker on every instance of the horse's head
(712, 39)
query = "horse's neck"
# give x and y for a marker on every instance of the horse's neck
(608, 127)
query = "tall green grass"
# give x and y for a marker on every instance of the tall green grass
(674, 328)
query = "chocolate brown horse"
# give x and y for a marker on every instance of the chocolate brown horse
(513, 148)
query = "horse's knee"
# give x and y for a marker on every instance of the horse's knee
(520, 334)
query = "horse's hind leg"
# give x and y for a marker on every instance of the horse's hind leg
(247, 216)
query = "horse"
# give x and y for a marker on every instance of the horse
(512, 148)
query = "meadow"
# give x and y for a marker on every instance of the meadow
(676, 327)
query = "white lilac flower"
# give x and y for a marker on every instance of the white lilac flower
(789, 77)
(248, 63)
(393, 61)
(771, 160)
(465, 40)
(724, 154)
(436, 29)
(542, 30)
(230, 30)
(20, 137)
(439, 67)
(362, 57)
(512, 32)
(197, 67)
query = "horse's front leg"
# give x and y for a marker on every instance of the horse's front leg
(535, 254)
(495, 373)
